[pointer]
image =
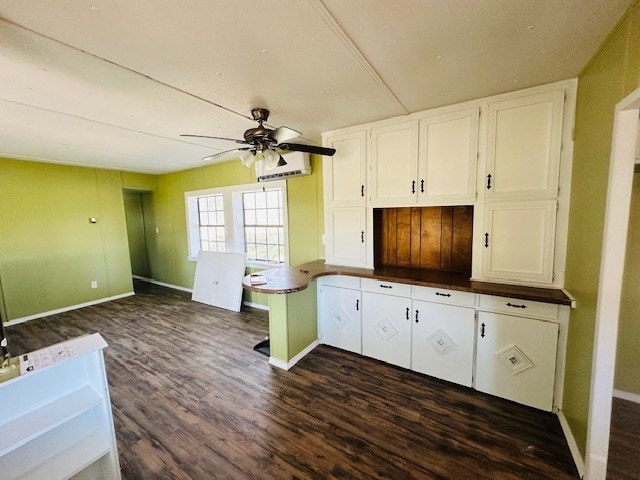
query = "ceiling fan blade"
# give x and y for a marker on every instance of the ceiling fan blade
(214, 138)
(298, 147)
(282, 134)
(226, 155)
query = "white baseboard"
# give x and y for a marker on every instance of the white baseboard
(287, 365)
(16, 321)
(632, 397)
(184, 289)
(571, 441)
(162, 284)
(259, 306)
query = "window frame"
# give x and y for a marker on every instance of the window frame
(233, 219)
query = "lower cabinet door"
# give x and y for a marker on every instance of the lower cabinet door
(442, 341)
(340, 318)
(516, 358)
(386, 328)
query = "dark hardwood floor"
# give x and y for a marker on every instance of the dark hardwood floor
(624, 442)
(192, 400)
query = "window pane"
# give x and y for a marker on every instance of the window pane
(220, 218)
(211, 203)
(272, 235)
(251, 251)
(204, 235)
(219, 203)
(273, 217)
(281, 236)
(202, 203)
(272, 199)
(273, 253)
(261, 251)
(204, 218)
(249, 217)
(220, 234)
(261, 235)
(261, 217)
(261, 201)
(250, 235)
(281, 247)
(249, 200)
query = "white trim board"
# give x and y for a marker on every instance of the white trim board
(16, 321)
(259, 306)
(614, 241)
(571, 441)
(630, 396)
(287, 365)
(162, 284)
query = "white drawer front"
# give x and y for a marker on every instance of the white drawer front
(382, 286)
(442, 295)
(515, 306)
(342, 281)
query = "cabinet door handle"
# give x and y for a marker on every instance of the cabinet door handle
(357, 305)
(422, 186)
(362, 236)
(486, 240)
(385, 286)
(362, 190)
(443, 294)
(407, 313)
(482, 330)
(489, 182)
(413, 186)
(513, 305)
(416, 316)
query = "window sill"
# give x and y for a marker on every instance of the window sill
(251, 263)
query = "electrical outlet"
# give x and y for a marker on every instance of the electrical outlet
(94, 284)
(157, 229)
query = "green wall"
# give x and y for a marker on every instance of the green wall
(49, 251)
(628, 354)
(166, 224)
(612, 74)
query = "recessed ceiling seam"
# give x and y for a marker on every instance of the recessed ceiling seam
(342, 35)
(159, 82)
(98, 122)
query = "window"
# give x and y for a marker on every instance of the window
(244, 218)
(264, 225)
(211, 220)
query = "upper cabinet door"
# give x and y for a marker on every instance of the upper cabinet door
(448, 157)
(523, 146)
(394, 155)
(345, 173)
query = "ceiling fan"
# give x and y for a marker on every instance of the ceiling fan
(266, 144)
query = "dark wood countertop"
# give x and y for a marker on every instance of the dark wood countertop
(293, 279)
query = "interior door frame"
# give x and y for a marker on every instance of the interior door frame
(616, 222)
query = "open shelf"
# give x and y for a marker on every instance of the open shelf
(18, 432)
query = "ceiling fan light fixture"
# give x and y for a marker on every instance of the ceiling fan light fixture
(247, 158)
(271, 159)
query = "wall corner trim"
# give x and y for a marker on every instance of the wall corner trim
(571, 441)
(162, 284)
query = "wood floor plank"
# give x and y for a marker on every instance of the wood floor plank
(192, 400)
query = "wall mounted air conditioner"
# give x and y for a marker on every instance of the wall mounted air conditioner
(298, 164)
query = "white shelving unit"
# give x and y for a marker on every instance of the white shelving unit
(56, 420)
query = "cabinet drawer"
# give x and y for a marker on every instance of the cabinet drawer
(441, 295)
(382, 286)
(515, 306)
(342, 281)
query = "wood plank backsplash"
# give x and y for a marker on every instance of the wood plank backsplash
(436, 238)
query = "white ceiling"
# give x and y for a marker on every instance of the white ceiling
(113, 83)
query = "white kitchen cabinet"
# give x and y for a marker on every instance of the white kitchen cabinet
(448, 156)
(340, 317)
(394, 164)
(345, 172)
(518, 241)
(442, 341)
(516, 358)
(56, 420)
(524, 140)
(346, 236)
(386, 328)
